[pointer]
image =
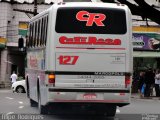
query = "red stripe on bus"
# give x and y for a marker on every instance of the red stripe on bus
(103, 101)
(93, 48)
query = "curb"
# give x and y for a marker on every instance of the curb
(5, 88)
(149, 98)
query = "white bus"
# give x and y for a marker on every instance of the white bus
(80, 53)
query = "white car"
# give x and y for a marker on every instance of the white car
(19, 86)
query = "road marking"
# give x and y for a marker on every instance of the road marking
(10, 113)
(117, 111)
(20, 102)
(20, 107)
(9, 98)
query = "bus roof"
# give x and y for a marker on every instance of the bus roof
(82, 4)
(91, 4)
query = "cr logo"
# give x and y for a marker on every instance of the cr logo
(91, 18)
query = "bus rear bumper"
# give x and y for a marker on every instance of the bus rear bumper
(118, 97)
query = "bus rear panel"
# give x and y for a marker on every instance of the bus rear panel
(92, 55)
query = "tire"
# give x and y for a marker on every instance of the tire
(27, 85)
(33, 103)
(20, 89)
(42, 109)
(111, 111)
(106, 110)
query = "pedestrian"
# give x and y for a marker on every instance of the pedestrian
(149, 81)
(141, 83)
(157, 83)
(13, 77)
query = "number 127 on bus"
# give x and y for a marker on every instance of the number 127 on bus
(68, 60)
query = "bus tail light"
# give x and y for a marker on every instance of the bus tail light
(51, 79)
(127, 80)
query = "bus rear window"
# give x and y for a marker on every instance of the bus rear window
(91, 20)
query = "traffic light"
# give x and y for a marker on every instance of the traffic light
(20, 43)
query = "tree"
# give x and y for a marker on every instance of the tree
(143, 9)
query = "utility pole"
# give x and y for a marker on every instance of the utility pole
(35, 8)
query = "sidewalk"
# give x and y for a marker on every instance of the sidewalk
(6, 88)
(137, 96)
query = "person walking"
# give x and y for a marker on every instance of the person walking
(149, 80)
(13, 77)
(141, 83)
(157, 83)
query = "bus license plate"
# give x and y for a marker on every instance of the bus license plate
(90, 96)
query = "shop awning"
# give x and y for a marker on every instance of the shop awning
(146, 54)
(2, 42)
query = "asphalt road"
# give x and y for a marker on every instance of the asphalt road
(17, 103)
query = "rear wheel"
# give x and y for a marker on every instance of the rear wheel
(111, 111)
(33, 103)
(27, 85)
(42, 109)
(20, 89)
(107, 110)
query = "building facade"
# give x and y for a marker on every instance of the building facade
(146, 41)
(146, 44)
(13, 25)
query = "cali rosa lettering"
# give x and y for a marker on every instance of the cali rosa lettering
(89, 41)
(91, 18)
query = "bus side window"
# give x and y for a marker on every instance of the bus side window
(35, 35)
(32, 35)
(29, 36)
(46, 27)
(39, 33)
(43, 37)
(42, 32)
